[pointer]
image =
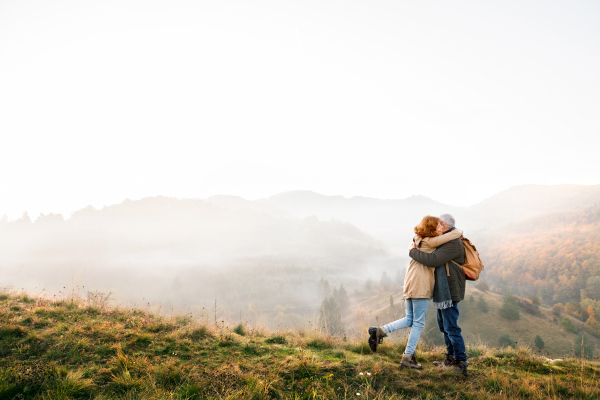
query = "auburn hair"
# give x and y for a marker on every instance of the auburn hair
(427, 227)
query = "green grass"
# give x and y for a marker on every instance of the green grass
(65, 350)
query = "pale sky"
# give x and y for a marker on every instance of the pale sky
(454, 100)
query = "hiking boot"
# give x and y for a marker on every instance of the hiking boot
(446, 362)
(376, 336)
(409, 361)
(460, 366)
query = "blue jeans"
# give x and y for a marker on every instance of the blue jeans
(448, 323)
(416, 311)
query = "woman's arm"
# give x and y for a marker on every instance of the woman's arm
(445, 238)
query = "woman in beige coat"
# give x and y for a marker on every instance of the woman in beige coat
(418, 290)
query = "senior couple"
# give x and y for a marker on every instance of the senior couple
(432, 275)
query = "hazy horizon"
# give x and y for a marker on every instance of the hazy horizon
(13, 216)
(102, 101)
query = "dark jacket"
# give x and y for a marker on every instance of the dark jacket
(453, 250)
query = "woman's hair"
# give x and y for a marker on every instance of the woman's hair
(427, 227)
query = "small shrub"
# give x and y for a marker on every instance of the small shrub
(72, 384)
(361, 347)
(277, 339)
(475, 351)
(320, 343)
(160, 326)
(27, 299)
(482, 305)
(183, 320)
(510, 308)
(124, 382)
(12, 332)
(239, 329)
(481, 285)
(504, 340)
(198, 333)
(169, 375)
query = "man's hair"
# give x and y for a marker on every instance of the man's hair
(448, 220)
(427, 227)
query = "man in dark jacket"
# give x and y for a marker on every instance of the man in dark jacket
(447, 313)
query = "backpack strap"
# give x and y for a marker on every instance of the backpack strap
(457, 263)
(447, 270)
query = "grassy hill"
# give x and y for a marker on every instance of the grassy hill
(74, 349)
(478, 327)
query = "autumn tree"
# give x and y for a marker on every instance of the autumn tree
(557, 309)
(592, 325)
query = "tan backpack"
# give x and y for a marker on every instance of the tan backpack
(473, 265)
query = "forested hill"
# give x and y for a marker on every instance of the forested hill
(554, 256)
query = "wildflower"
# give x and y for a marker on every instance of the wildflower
(358, 394)
(361, 374)
(368, 373)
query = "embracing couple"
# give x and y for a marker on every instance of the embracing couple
(435, 272)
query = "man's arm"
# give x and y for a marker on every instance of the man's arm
(443, 254)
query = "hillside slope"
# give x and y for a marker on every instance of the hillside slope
(478, 326)
(74, 350)
(552, 256)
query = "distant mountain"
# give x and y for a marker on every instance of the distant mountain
(389, 220)
(393, 221)
(526, 201)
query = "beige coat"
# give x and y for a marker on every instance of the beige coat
(419, 279)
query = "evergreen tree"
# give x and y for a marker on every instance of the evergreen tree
(341, 297)
(510, 308)
(482, 305)
(369, 284)
(330, 317)
(391, 301)
(539, 343)
(385, 281)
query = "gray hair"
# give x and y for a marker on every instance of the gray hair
(448, 220)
